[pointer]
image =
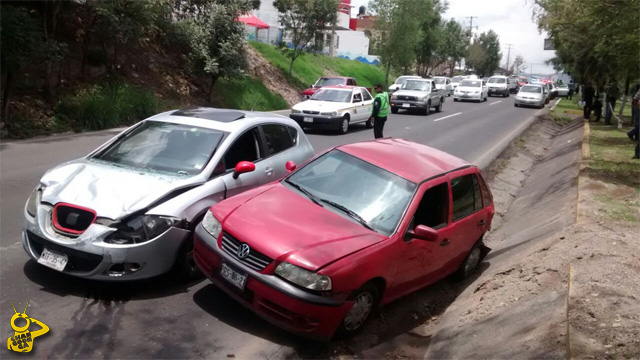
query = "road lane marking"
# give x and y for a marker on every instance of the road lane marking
(493, 103)
(448, 116)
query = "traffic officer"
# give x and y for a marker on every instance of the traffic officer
(380, 111)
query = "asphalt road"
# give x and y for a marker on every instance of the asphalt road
(166, 317)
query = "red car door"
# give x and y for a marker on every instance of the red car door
(470, 219)
(420, 261)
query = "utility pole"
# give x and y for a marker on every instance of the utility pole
(471, 25)
(508, 56)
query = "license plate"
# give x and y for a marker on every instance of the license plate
(308, 120)
(234, 277)
(54, 260)
(406, 105)
(465, 95)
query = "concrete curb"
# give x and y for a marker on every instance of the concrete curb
(485, 160)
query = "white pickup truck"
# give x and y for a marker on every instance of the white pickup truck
(418, 94)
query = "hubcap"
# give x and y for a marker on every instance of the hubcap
(359, 311)
(472, 261)
(345, 125)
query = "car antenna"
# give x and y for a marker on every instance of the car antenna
(254, 105)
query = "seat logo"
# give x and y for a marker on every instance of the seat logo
(243, 251)
(22, 339)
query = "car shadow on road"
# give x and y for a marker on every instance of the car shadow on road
(355, 128)
(418, 309)
(61, 284)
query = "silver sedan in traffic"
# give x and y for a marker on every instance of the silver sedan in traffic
(128, 209)
(531, 95)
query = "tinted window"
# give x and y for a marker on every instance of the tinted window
(497, 81)
(277, 138)
(434, 207)
(464, 191)
(245, 148)
(294, 134)
(486, 195)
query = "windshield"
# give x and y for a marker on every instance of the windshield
(531, 89)
(471, 83)
(164, 147)
(439, 80)
(330, 81)
(415, 85)
(497, 81)
(456, 79)
(333, 95)
(402, 79)
(375, 195)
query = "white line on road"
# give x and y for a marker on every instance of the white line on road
(448, 116)
(493, 103)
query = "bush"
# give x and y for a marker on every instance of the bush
(106, 106)
(247, 94)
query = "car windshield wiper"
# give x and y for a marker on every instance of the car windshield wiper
(349, 212)
(305, 191)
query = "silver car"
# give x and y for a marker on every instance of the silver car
(531, 95)
(127, 210)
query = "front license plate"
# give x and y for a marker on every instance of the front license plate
(406, 105)
(54, 260)
(308, 120)
(465, 95)
(234, 277)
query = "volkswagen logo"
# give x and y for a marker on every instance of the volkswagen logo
(243, 251)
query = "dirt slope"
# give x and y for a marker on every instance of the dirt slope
(273, 78)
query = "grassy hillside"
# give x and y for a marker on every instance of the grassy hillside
(247, 94)
(308, 68)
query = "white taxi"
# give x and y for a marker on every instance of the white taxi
(335, 108)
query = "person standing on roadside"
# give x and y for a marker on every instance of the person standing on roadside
(610, 104)
(380, 111)
(571, 87)
(634, 134)
(587, 97)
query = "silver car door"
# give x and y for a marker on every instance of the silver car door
(246, 147)
(281, 145)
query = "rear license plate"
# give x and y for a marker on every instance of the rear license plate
(237, 279)
(308, 120)
(405, 105)
(54, 260)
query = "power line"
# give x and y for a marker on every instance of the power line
(508, 55)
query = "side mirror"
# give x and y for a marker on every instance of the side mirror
(424, 233)
(243, 167)
(290, 165)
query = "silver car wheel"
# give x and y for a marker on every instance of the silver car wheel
(472, 261)
(359, 312)
(345, 125)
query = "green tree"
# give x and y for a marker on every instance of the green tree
(455, 43)
(484, 54)
(302, 20)
(517, 65)
(21, 44)
(430, 50)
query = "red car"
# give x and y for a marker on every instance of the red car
(329, 81)
(357, 227)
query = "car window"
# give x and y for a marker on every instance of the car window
(486, 194)
(471, 83)
(277, 138)
(333, 95)
(497, 80)
(350, 82)
(330, 81)
(294, 134)
(448, 81)
(464, 190)
(245, 148)
(434, 207)
(531, 89)
(419, 85)
(357, 96)
(366, 96)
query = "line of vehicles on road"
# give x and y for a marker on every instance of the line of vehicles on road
(310, 243)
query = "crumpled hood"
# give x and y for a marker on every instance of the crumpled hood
(110, 190)
(286, 226)
(411, 93)
(322, 106)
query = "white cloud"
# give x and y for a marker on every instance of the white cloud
(510, 19)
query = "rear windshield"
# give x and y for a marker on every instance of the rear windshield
(497, 81)
(456, 79)
(531, 89)
(164, 147)
(471, 83)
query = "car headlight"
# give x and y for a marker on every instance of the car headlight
(33, 201)
(212, 225)
(331, 113)
(302, 277)
(294, 111)
(477, 92)
(425, 98)
(141, 229)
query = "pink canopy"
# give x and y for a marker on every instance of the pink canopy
(253, 21)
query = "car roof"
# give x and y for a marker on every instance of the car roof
(412, 161)
(228, 120)
(342, 87)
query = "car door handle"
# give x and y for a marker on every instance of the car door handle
(268, 170)
(482, 222)
(445, 242)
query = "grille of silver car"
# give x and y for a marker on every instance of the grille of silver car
(311, 112)
(254, 260)
(404, 97)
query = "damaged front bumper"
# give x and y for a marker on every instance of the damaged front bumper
(89, 256)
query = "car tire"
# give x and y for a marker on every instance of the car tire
(394, 110)
(471, 261)
(365, 301)
(185, 265)
(344, 125)
(515, 105)
(455, 100)
(439, 107)
(427, 110)
(369, 123)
